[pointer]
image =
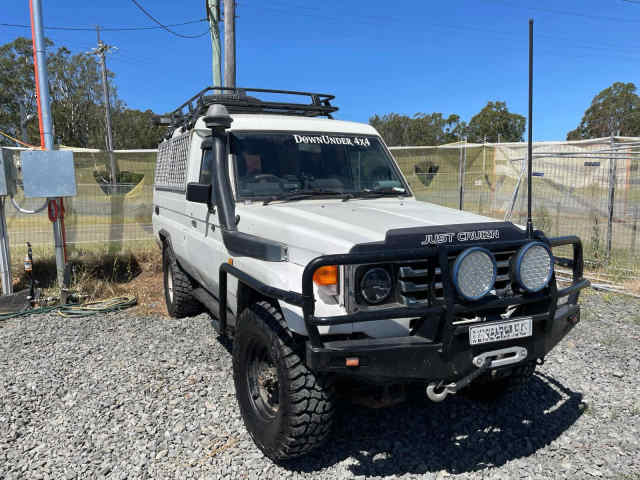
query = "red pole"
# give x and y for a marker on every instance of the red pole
(35, 68)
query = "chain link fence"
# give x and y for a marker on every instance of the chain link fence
(590, 188)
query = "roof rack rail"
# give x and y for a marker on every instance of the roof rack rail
(237, 101)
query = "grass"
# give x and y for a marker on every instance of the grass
(97, 273)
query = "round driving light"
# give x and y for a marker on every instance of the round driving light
(474, 273)
(376, 285)
(533, 266)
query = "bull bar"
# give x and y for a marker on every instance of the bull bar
(414, 357)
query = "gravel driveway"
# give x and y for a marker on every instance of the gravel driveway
(121, 396)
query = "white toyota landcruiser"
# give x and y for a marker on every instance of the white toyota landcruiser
(302, 238)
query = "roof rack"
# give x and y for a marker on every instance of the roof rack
(237, 101)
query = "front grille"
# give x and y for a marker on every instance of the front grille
(420, 283)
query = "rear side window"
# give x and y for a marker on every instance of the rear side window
(171, 164)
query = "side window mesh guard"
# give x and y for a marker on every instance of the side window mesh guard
(171, 165)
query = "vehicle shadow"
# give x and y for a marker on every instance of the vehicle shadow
(458, 435)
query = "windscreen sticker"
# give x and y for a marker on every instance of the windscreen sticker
(329, 140)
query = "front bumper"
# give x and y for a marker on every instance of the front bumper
(445, 355)
(417, 358)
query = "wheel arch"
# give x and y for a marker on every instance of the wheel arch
(165, 238)
(247, 296)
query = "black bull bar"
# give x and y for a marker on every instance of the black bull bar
(444, 357)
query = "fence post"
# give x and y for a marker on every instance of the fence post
(634, 230)
(612, 192)
(462, 161)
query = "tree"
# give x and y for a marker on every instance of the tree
(493, 120)
(613, 111)
(421, 129)
(135, 129)
(77, 105)
(76, 99)
(17, 92)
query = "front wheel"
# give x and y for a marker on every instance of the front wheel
(286, 408)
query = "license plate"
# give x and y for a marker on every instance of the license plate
(498, 332)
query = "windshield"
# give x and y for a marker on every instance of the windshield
(280, 164)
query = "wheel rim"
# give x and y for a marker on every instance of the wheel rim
(170, 285)
(262, 379)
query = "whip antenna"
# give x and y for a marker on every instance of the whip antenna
(530, 140)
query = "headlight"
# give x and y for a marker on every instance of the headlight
(474, 273)
(533, 266)
(376, 285)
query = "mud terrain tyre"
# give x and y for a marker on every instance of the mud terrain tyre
(286, 408)
(178, 287)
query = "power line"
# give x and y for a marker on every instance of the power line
(107, 29)
(166, 27)
(383, 22)
(572, 13)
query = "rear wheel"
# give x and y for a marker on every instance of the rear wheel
(178, 287)
(286, 408)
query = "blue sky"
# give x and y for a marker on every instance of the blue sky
(406, 56)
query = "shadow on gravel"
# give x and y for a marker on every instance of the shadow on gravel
(458, 435)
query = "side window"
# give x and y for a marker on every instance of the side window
(171, 164)
(206, 167)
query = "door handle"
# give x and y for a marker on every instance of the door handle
(194, 224)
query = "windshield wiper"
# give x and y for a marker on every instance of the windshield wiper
(387, 192)
(301, 195)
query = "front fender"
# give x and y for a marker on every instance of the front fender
(286, 276)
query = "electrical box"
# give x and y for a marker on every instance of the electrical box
(48, 173)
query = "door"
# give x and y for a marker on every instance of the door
(205, 251)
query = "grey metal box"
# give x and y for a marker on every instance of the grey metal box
(48, 173)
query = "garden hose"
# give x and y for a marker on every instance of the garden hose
(85, 310)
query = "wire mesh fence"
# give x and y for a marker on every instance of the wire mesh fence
(101, 213)
(590, 188)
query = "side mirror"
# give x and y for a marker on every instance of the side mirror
(199, 192)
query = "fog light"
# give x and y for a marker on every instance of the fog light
(533, 266)
(474, 273)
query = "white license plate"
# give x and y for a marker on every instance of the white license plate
(497, 332)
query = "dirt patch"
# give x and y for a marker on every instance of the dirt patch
(633, 286)
(100, 275)
(149, 288)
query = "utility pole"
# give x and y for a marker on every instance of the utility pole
(101, 51)
(47, 124)
(230, 43)
(213, 15)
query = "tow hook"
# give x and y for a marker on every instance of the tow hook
(436, 392)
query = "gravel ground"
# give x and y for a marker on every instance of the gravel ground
(121, 396)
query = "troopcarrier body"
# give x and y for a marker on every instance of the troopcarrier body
(302, 238)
